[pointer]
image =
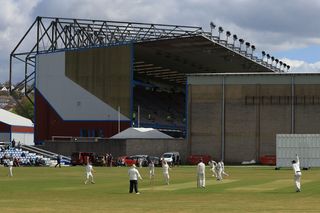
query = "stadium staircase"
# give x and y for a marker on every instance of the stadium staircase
(64, 159)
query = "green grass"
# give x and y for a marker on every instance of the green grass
(248, 189)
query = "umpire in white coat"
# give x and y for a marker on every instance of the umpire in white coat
(201, 175)
(133, 176)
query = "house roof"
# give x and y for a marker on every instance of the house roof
(14, 119)
(132, 132)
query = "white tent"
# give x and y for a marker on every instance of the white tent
(136, 133)
(4, 89)
(15, 127)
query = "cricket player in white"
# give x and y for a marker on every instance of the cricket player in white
(89, 175)
(10, 165)
(297, 173)
(222, 169)
(133, 178)
(165, 170)
(151, 170)
(213, 165)
(218, 169)
(201, 175)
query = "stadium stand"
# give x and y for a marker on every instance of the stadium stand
(159, 108)
(25, 158)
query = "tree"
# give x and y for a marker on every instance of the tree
(24, 108)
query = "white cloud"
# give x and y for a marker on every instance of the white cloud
(15, 16)
(270, 25)
(302, 66)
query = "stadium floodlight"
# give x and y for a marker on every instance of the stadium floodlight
(241, 41)
(247, 46)
(212, 27)
(288, 67)
(228, 34)
(235, 37)
(253, 48)
(272, 60)
(284, 66)
(268, 57)
(281, 63)
(220, 29)
(263, 53)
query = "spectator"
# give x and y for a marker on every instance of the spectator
(16, 162)
(13, 143)
(110, 160)
(58, 161)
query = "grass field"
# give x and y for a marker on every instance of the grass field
(248, 189)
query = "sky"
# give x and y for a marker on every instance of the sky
(286, 29)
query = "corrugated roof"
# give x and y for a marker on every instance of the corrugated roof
(14, 119)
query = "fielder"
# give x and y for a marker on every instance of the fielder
(297, 173)
(201, 175)
(218, 170)
(222, 169)
(151, 170)
(89, 175)
(165, 170)
(213, 165)
(10, 165)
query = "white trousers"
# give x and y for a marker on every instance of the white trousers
(166, 177)
(10, 171)
(88, 176)
(219, 174)
(201, 182)
(151, 173)
(297, 179)
(214, 173)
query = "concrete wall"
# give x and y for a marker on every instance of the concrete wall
(236, 117)
(156, 147)
(120, 147)
(204, 105)
(23, 138)
(5, 137)
(117, 148)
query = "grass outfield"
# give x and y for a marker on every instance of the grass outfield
(248, 189)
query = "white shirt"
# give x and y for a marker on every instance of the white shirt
(165, 168)
(10, 163)
(212, 164)
(134, 174)
(201, 168)
(88, 168)
(296, 166)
